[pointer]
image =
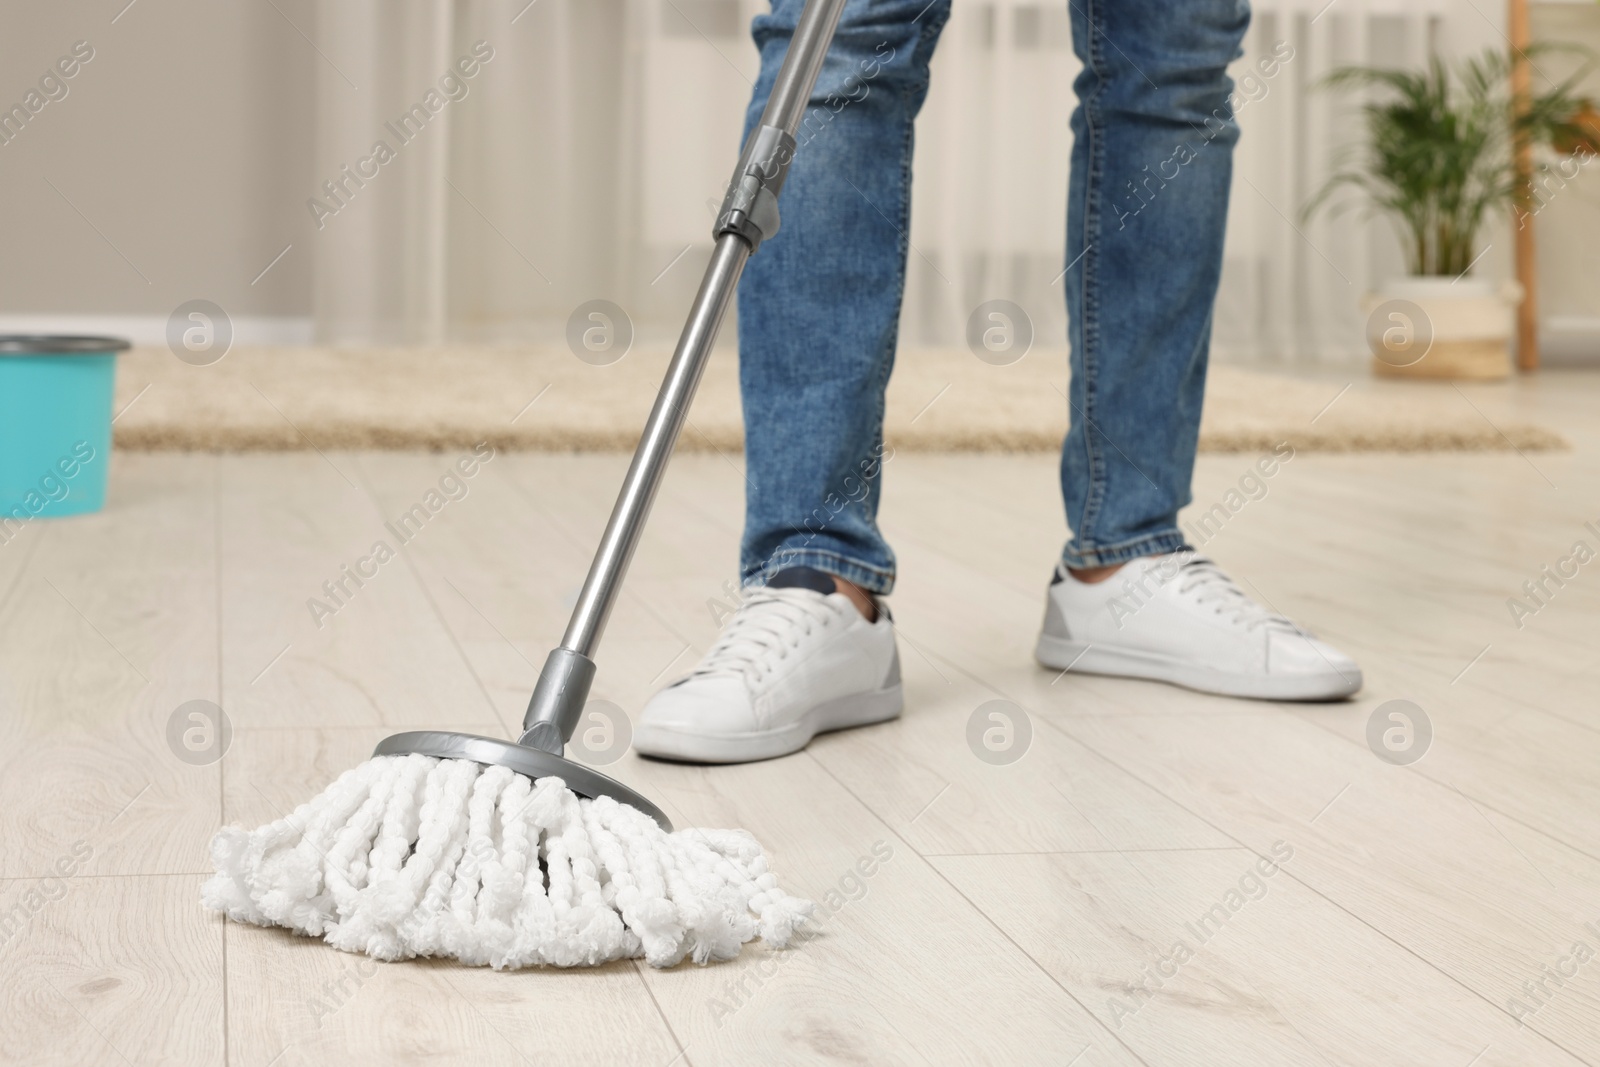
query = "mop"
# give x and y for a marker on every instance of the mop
(508, 854)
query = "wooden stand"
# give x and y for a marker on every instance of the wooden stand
(1527, 265)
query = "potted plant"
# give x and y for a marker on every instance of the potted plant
(1439, 160)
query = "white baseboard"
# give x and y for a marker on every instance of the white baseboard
(1570, 341)
(152, 329)
(1564, 340)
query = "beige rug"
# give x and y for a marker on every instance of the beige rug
(521, 398)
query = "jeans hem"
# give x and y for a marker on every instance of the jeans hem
(1158, 544)
(872, 579)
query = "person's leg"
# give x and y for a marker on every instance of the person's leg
(1151, 165)
(819, 304)
(818, 310)
(1152, 155)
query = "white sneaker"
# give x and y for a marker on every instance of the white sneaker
(791, 663)
(1178, 618)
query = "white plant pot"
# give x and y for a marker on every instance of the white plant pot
(1431, 327)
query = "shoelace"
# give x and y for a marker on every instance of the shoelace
(766, 626)
(1210, 585)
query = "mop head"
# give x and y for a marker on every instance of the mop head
(409, 856)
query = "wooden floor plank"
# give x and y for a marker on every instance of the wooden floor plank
(291, 524)
(112, 970)
(109, 629)
(898, 965)
(1477, 896)
(1200, 957)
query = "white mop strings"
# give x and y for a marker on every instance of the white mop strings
(414, 856)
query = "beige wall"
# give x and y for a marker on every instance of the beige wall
(186, 141)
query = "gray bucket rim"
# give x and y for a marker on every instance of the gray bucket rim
(59, 344)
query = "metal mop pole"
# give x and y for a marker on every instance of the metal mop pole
(749, 216)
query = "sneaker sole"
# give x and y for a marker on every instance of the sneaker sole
(843, 713)
(1062, 654)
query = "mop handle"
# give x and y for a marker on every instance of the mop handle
(748, 215)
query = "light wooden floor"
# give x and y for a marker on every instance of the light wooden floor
(1017, 902)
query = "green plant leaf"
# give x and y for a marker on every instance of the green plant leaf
(1441, 149)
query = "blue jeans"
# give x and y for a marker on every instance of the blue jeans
(819, 305)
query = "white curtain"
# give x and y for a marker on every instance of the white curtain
(1290, 290)
(587, 156)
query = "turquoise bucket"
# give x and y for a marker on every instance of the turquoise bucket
(55, 426)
